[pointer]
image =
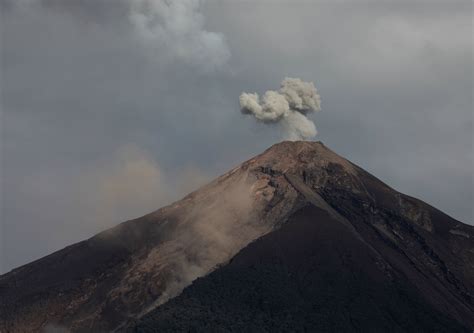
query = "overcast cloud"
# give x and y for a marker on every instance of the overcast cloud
(108, 115)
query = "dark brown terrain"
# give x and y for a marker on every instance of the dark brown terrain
(295, 239)
(310, 275)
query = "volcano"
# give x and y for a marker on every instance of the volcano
(294, 239)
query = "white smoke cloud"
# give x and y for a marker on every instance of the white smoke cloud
(288, 106)
(169, 30)
(177, 29)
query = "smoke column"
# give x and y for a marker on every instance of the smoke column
(288, 106)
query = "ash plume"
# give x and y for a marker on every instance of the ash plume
(177, 28)
(288, 106)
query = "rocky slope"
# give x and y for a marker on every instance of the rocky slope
(350, 234)
(311, 275)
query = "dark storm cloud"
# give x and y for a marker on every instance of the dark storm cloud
(79, 88)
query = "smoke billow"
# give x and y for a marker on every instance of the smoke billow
(177, 28)
(288, 106)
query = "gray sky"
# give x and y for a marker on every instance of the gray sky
(110, 111)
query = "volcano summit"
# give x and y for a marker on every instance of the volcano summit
(295, 239)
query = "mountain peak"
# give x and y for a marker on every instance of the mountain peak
(119, 275)
(297, 156)
(295, 148)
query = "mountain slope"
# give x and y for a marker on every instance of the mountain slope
(123, 273)
(310, 275)
(97, 284)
